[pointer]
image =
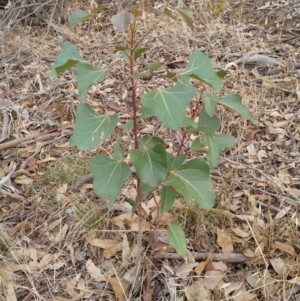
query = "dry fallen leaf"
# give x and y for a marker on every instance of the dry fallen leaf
(279, 265)
(120, 287)
(284, 247)
(94, 271)
(184, 269)
(241, 233)
(197, 292)
(224, 241)
(212, 279)
(8, 283)
(242, 295)
(101, 243)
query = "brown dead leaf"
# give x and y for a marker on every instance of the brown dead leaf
(279, 265)
(184, 269)
(109, 252)
(95, 272)
(224, 241)
(241, 233)
(197, 292)
(200, 267)
(284, 247)
(101, 243)
(242, 295)
(126, 249)
(120, 287)
(212, 279)
(8, 283)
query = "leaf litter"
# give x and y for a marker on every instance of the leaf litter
(47, 230)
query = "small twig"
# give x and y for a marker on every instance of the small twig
(226, 257)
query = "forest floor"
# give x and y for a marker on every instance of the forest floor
(59, 242)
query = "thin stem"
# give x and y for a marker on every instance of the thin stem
(136, 144)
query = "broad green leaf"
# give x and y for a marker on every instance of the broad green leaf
(139, 52)
(92, 129)
(167, 198)
(171, 76)
(187, 122)
(150, 161)
(109, 176)
(88, 75)
(184, 79)
(174, 162)
(200, 67)
(78, 16)
(177, 239)
(169, 14)
(234, 102)
(222, 74)
(119, 151)
(153, 66)
(208, 124)
(209, 103)
(127, 126)
(186, 15)
(122, 20)
(146, 189)
(198, 147)
(216, 143)
(192, 181)
(67, 58)
(169, 104)
(147, 112)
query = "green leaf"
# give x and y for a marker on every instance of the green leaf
(92, 129)
(222, 74)
(67, 58)
(198, 147)
(167, 198)
(146, 112)
(153, 66)
(139, 52)
(200, 67)
(177, 239)
(192, 181)
(109, 176)
(122, 20)
(169, 104)
(208, 124)
(216, 143)
(136, 75)
(78, 16)
(127, 126)
(234, 102)
(186, 15)
(88, 75)
(119, 151)
(210, 103)
(168, 13)
(146, 189)
(174, 162)
(171, 76)
(150, 161)
(187, 122)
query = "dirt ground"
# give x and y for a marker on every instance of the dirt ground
(58, 241)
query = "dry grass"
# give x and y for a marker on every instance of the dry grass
(48, 241)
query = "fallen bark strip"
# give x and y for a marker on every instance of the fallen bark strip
(226, 257)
